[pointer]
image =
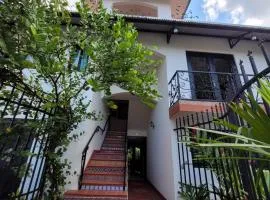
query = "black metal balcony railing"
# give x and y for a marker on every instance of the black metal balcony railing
(206, 86)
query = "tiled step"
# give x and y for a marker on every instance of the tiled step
(113, 145)
(112, 139)
(110, 136)
(102, 183)
(105, 187)
(103, 178)
(111, 152)
(105, 170)
(116, 133)
(104, 156)
(114, 142)
(95, 194)
(112, 149)
(105, 163)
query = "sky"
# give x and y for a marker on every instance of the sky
(247, 12)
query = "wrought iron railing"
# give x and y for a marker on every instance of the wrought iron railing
(22, 161)
(202, 85)
(223, 177)
(84, 153)
(126, 159)
(206, 86)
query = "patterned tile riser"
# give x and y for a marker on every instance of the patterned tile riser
(103, 178)
(103, 187)
(103, 157)
(106, 170)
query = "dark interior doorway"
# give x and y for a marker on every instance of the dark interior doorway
(137, 158)
(119, 116)
(122, 110)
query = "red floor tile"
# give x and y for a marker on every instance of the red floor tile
(141, 190)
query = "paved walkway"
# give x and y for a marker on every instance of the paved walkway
(141, 190)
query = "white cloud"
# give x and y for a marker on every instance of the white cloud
(236, 14)
(213, 8)
(254, 21)
(249, 12)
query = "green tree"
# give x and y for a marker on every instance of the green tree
(38, 42)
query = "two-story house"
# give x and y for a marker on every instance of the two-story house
(201, 66)
(200, 61)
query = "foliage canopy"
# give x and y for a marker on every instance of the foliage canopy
(39, 42)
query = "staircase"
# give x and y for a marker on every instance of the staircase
(103, 178)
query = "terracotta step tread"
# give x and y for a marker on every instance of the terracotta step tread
(113, 149)
(114, 142)
(108, 157)
(111, 152)
(97, 163)
(106, 178)
(113, 146)
(109, 183)
(104, 170)
(114, 139)
(108, 153)
(95, 193)
(114, 136)
(88, 173)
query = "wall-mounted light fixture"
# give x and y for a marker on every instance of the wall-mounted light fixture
(175, 30)
(152, 125)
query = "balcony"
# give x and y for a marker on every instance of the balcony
(195, 91)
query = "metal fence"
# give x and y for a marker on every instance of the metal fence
(23, 125)
(218, 174)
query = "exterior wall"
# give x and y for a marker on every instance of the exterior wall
(138, 113)
(163, 7)
(162, 164)
(175, 51)
(74, 150)
(159, 151)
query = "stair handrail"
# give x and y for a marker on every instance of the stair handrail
(126, 154)
(84, 152)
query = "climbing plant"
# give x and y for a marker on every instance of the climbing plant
(39, 42)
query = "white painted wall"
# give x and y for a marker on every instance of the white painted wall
(138, 113)
(175, 51)
(159, 151)
(164, 7)
(74, 150)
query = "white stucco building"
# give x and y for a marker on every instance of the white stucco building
(187, 47)
(200, 67)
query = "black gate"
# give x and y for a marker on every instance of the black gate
(221, 176)
(23, 124)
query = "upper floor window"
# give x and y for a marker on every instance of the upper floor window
(80, 60)
(212, 76)
(133, 8)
